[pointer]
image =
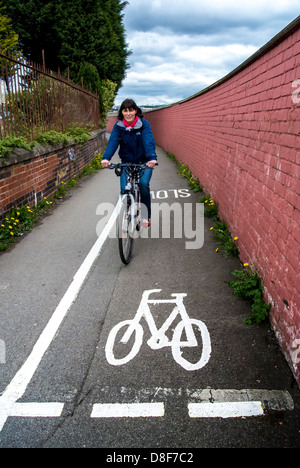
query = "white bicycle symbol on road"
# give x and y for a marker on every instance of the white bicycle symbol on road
(183, 336)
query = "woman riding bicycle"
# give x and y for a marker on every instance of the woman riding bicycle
(137, 145)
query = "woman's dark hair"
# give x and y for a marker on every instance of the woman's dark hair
(129, 104)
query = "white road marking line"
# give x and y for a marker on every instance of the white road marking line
(18, 385)
(37, 410)
(128, 410)
(275, 400)
(226, 409)
(202, 403)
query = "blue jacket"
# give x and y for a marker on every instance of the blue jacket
(136, 144)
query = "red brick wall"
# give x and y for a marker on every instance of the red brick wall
(241, 139)
(36, 176)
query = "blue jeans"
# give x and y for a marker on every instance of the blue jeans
(144, 190)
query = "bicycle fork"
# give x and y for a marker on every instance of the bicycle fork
(133, 219)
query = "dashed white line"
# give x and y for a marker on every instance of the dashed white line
(37, 410)
(227, 409)
(128, 410)
(202, 403)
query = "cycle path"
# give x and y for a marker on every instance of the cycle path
(245, 362)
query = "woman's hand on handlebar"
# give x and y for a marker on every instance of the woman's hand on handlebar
(152, 163)
(105, 163)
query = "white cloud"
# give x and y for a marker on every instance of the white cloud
(181, 46)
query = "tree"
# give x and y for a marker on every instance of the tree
(107, 93)
(89, 76)
(73, 32)
(8, 43)
(112, 60)
(35, 23)
(8, 37)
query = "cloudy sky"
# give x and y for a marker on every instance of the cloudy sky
(180, 47)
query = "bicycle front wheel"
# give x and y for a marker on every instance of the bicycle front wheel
(116, 351)
(125, 226)
(204, 347)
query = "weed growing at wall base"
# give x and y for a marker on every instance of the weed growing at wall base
(18, 221)
(211, 208)
(248, 285)
(221, 232)
(184, 171)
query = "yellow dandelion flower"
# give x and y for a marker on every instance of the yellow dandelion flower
(217, 249)
(12, 234)
(211, 228)
(235, 238)
(246, 264)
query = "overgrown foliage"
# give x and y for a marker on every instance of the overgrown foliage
(77, 134)
(85, 36)
(8, 37)
(9, 143)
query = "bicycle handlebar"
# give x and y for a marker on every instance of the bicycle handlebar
(130, 165)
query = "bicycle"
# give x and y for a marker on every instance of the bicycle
(183, 335)
(129, 221)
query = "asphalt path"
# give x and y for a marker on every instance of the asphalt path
(67, 381)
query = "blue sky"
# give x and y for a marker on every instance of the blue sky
(182, 46)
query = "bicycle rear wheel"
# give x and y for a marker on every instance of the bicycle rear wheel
(125, 226)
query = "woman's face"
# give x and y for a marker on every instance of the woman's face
(129, 114)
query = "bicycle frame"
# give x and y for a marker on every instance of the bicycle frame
(133, 172)
(130, 215)
(159, 339)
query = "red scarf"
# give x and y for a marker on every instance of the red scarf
(132, 124)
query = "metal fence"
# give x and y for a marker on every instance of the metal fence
(34, 100)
